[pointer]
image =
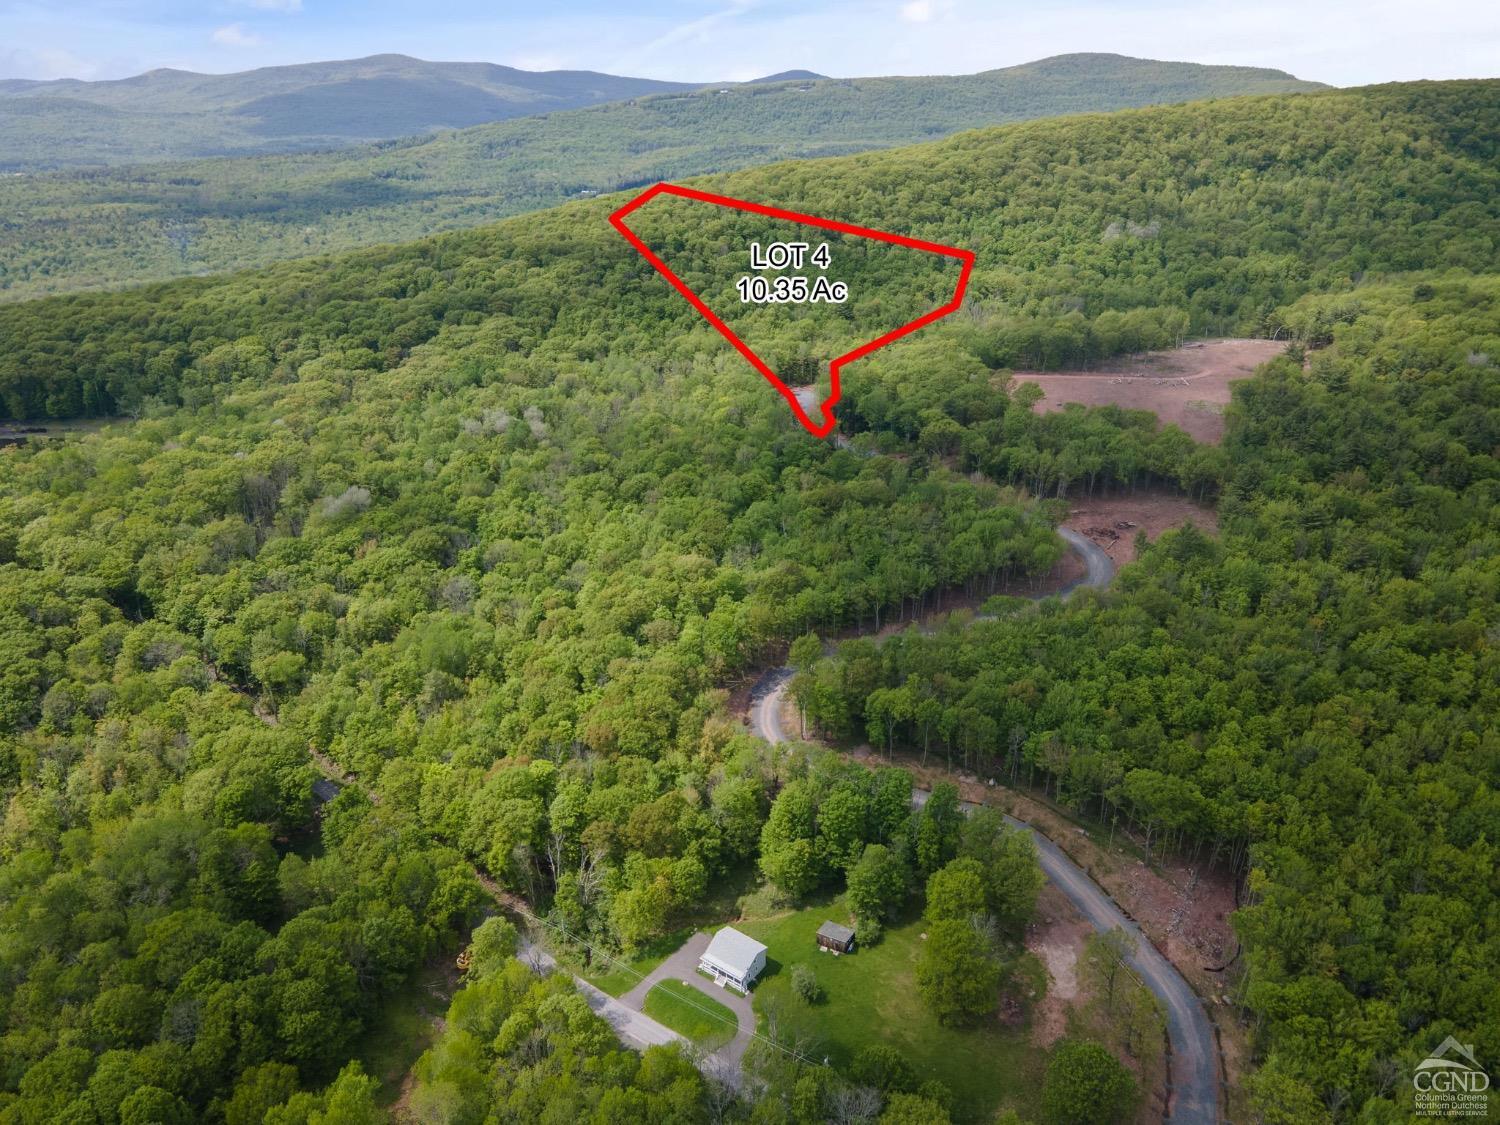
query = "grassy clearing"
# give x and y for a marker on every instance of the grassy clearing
(871, 997)
(407, 1024)
(688, 1012)
(617, 974)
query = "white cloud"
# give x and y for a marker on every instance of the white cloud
(236, 35)
(925, 11)
(45, 64)
(541, 60)
(276, 5)
(695, 31)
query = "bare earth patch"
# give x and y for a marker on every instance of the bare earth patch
(1113, 521)
(1181, 905)
(1056, 937)
(1070, 1007)
(1187, 386)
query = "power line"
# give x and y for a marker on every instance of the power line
(514, 903)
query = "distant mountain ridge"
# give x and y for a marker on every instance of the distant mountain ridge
(65, 231)
(1094, 64)
(181, 114)
(789, 76)
(168, 90)
(171, 114)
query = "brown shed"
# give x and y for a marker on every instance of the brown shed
(836, 938)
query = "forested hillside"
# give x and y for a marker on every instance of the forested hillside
(89, 230)
(1314, 695)
(177, 114)
(490, 521)
(1095, 235)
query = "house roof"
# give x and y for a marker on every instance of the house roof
(834, 932)
(733, 950)
(324, 790)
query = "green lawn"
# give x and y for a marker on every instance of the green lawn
(871, 997)
(688, 1012)
(617, 974)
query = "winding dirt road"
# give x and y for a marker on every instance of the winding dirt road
(1101, 567)
(1193, 1082)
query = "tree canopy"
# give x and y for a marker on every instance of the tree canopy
(483, 526)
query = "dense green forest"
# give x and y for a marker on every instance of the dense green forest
(491, 520)
(1313, 695)
(93, 229)
(1095, 235)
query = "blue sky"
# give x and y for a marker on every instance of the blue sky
(1344, 42)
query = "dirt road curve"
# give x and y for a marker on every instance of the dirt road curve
(1194, 1083)
(1100, 567)
(765, 705)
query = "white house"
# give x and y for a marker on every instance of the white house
(734, 959)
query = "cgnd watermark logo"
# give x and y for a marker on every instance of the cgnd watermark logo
(1451, 1083)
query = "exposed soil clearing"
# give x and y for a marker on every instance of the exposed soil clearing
(1182, 906)
(1186, 386)
(1056, 937)
(1114, 521)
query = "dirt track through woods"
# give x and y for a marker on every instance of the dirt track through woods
(1193, 1067)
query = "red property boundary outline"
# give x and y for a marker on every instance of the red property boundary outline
(823, 429)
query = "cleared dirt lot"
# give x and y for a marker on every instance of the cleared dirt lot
(1188, 386)
(1056, 936)
(1113, 521)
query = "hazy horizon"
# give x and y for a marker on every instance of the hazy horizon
(1340, 42)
